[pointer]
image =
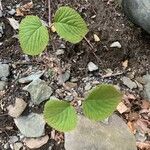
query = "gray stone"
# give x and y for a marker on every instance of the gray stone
(64, 77)
(31, 77)
(12, 11)
(4, 70)
(138, 12)
(147, 86)
(90, 135)
(88, 86)
(92, 67)
(2, 85)
(129, 83)
(31, 125)
(39, 91)
(13, 139)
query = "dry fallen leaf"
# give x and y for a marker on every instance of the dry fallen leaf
(145, 104)
(122, 108)
(53, 29)
(143, 125)
(143, 145)
(131, 127)
(20, 11)
(133, 116)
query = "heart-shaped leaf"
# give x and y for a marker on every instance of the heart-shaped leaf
(33, 35)
(70, 25)
(60, 115)
(101, 102)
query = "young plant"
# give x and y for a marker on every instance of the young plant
(98, 105)
(34, 35)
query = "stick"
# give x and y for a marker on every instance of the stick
(49, 13)
(92, 48)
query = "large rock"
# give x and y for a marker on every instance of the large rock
(39, 91)
(32, 125)
(138, 11)
(99, 136)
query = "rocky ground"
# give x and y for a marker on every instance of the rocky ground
(66, 71)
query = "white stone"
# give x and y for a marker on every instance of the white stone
(115, 44)
(92, 67)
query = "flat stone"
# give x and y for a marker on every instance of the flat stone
(34, 143)
(4, 70)
(138, 12)
(147, 86)
(18, 108)
(31, 77)
(129, 83)
(2, 85)
(31, 125)
(92, 67)
(39, 91)
(90, 135)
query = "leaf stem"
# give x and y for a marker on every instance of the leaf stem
(49, 13)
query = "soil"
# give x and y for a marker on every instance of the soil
(109, 23)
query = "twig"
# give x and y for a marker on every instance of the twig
(92, 48)
(49, 13)
(112, 75)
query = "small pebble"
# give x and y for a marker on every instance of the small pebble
(92, 67)
(60, 52)
(115, 44)
(88, 87)
(12, 11)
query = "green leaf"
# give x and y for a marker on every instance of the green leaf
(101, 102)
(33, 35)
(60, 115)
(70, 25)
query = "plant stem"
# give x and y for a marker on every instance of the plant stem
(49, 13)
